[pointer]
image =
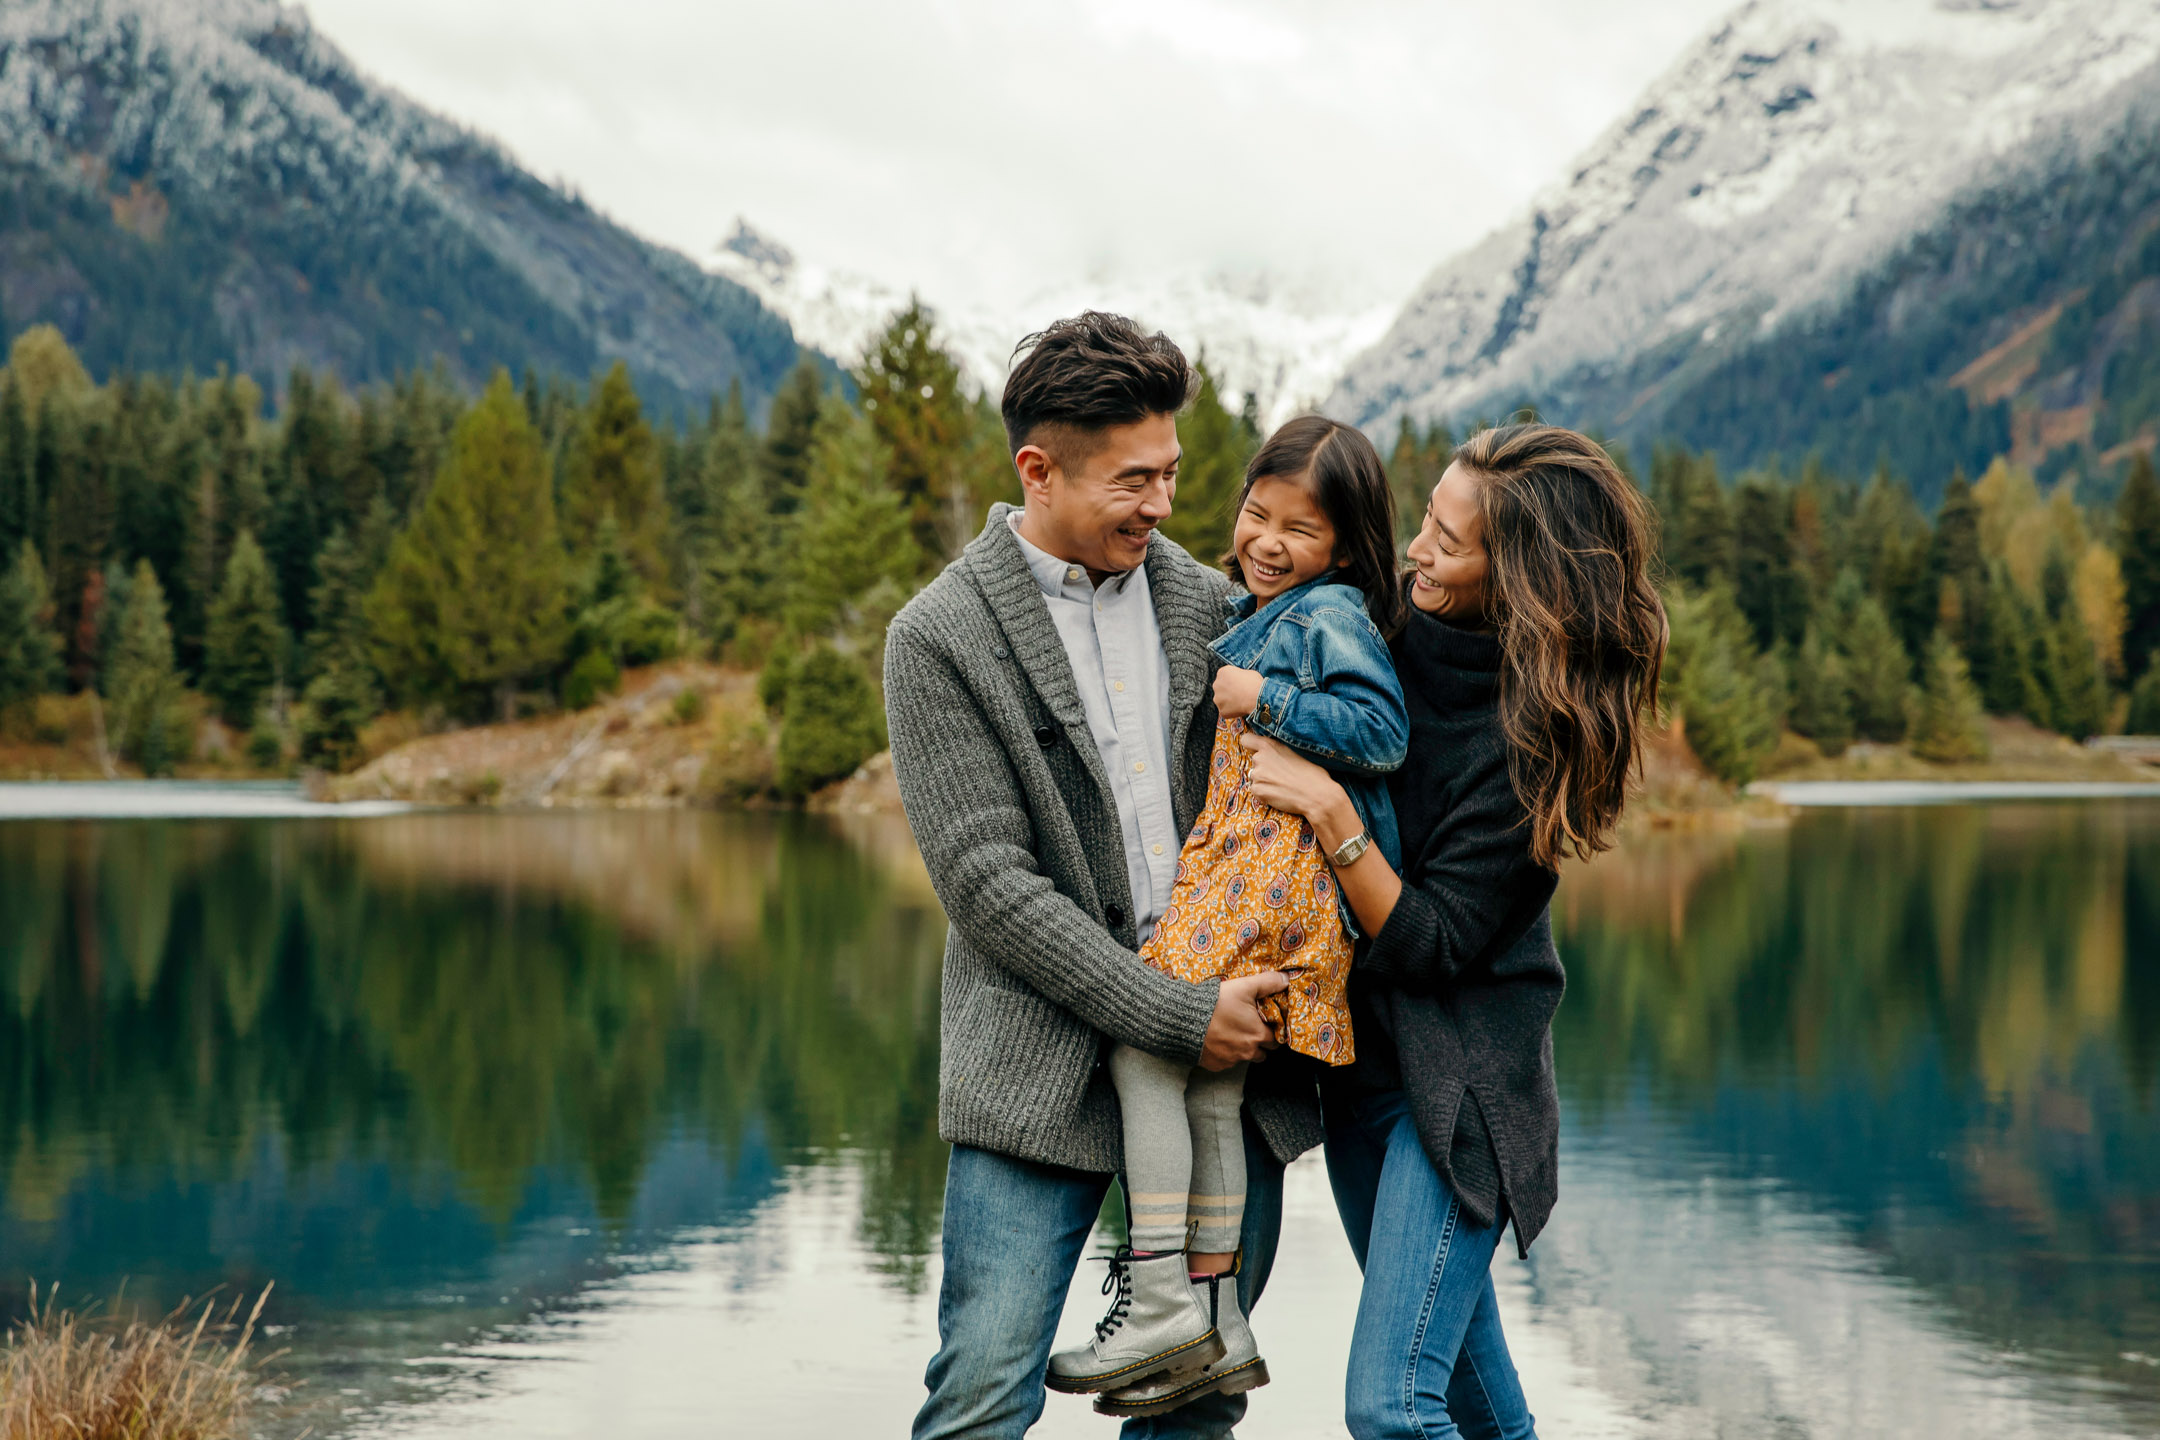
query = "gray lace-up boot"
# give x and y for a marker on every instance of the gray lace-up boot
(1157, 1324)
(1240, 1368)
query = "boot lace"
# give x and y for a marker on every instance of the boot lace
(1118, 1282)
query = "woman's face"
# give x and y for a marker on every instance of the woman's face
(1449, 553)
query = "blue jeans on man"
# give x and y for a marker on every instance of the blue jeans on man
(1014, 1235)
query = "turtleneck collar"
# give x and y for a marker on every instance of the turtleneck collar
(1451, 667)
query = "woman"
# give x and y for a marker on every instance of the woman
(1530, 658)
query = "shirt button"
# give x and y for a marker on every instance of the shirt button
(1118, 686)
(1073, 573)
(1139, 767)
(1158, 849)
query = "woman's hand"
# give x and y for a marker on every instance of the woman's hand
(1237, 692)
(1285, 780)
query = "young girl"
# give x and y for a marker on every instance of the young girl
(1306, 662)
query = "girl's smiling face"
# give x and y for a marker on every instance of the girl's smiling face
(1282, 538)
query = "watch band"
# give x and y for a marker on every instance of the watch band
(1350, 849)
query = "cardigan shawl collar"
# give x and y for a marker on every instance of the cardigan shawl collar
(1186, 612)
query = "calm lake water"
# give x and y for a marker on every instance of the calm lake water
(623, 1124)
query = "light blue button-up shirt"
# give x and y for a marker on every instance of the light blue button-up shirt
(1115, 646)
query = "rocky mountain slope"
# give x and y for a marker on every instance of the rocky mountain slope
(1279, 342)
(194, 182)
(1815, 233)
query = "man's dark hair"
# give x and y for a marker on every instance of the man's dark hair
(1082, 376)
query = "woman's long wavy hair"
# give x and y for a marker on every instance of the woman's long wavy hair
(1581, 630)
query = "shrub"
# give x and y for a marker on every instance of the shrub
(339, 702)
(265, 748)
(773, 681)
(689, 706)
(740, 763)
(63, 1374)
(833, 722)
(594, 675)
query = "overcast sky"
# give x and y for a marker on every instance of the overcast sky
(992, 147)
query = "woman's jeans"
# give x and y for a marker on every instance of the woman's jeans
(1014, 1233)
(1427, 1358)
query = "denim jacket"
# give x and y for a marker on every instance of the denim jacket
(1327, 690)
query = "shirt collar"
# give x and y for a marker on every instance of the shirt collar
(1059, 577)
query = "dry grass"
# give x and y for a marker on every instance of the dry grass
(65, 1376)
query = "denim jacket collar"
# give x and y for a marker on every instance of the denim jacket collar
(1250, 623)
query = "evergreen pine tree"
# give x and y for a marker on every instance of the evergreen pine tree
(1719, 685)
(736, 545)
(852, 537)
(1821, 704)
(474, 598)
(790, 431)
(833, 722)
(2144, 716)
(1216, 444)
(1694, 518)
(1766, 581)
(245, 641)
(29, 650)
(613, 465)
(1876, 666)
(1956, 563)
(1945, 725)
(18, 501)
(2077, 692)
(2137, 542)
(2001, 649)
(910, 390)
(147, 720)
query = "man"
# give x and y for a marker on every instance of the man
(1049, 704)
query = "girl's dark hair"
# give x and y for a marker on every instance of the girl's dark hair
(1582, 635)
(1339, 465)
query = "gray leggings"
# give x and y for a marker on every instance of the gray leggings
(1184, 1152)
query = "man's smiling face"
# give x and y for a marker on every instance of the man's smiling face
(1099, 506)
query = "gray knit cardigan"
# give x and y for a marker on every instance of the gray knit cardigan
(1006, 794)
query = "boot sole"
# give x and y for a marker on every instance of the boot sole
(1249, 1376)
(1192, 1355)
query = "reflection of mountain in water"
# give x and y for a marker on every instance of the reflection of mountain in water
(1937, 1027)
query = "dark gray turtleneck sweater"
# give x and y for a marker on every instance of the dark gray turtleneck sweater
(1453, 999)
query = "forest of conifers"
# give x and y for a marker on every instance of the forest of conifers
(175, 550)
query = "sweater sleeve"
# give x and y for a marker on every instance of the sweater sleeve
(963, 803)
(1474, 890)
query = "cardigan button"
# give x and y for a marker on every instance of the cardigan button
(1047, 736)
(1000, 651)
(1114, 917)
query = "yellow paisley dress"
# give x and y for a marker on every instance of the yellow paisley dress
(1253, 893)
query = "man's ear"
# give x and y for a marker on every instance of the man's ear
(1035, 467)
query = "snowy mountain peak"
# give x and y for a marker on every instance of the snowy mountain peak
(1796, 144)
(1280, 342)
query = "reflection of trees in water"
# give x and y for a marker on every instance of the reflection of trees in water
(1943, 1020)
(492, 995)
(2005, 933)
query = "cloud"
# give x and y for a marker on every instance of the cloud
(994, 146)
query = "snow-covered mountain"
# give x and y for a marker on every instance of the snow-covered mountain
(188, 182)
(1784, 158)
(1282, 343)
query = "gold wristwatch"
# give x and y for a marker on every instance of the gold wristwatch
(1347, 852)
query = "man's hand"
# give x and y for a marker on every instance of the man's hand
(1237, 692)
(1239, 1032)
